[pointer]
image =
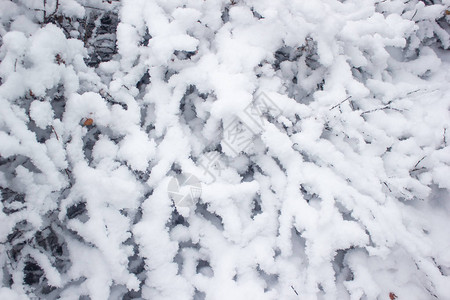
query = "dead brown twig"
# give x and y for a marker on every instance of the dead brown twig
(47, 18)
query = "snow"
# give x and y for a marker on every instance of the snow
(137, 150)
(41, 113)
(319, 131)
(10, 294)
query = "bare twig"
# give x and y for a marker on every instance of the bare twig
(104, 94)
(414, 15)
(294, 290)
(92, 7)
(67, 173)
(412, 92)
(381, 108)
(53, 128)
(45, 10)
(64, 28)
(56, 10)
(445, 138)
(340, 102)
(415, 166)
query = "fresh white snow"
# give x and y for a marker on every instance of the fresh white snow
(319, 131)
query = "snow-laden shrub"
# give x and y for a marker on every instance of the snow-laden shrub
(340, 193)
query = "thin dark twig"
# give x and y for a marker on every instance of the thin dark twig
(414, 15)
(64, 28)
(53, 128)
(387, 186)
(86, 37)
(445, 138)
(340, 102)
(55, 11)
(412, 92)
(87, 6)
(104, 93)
(415, 166)
(107, 96)
(351, 105)
(45, 10)
(381, 108)
(68, 175)
(294, 290)
(416, 169)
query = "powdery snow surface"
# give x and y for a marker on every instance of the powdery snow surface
(319, 131)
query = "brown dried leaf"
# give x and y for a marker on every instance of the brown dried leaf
(88, 122)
